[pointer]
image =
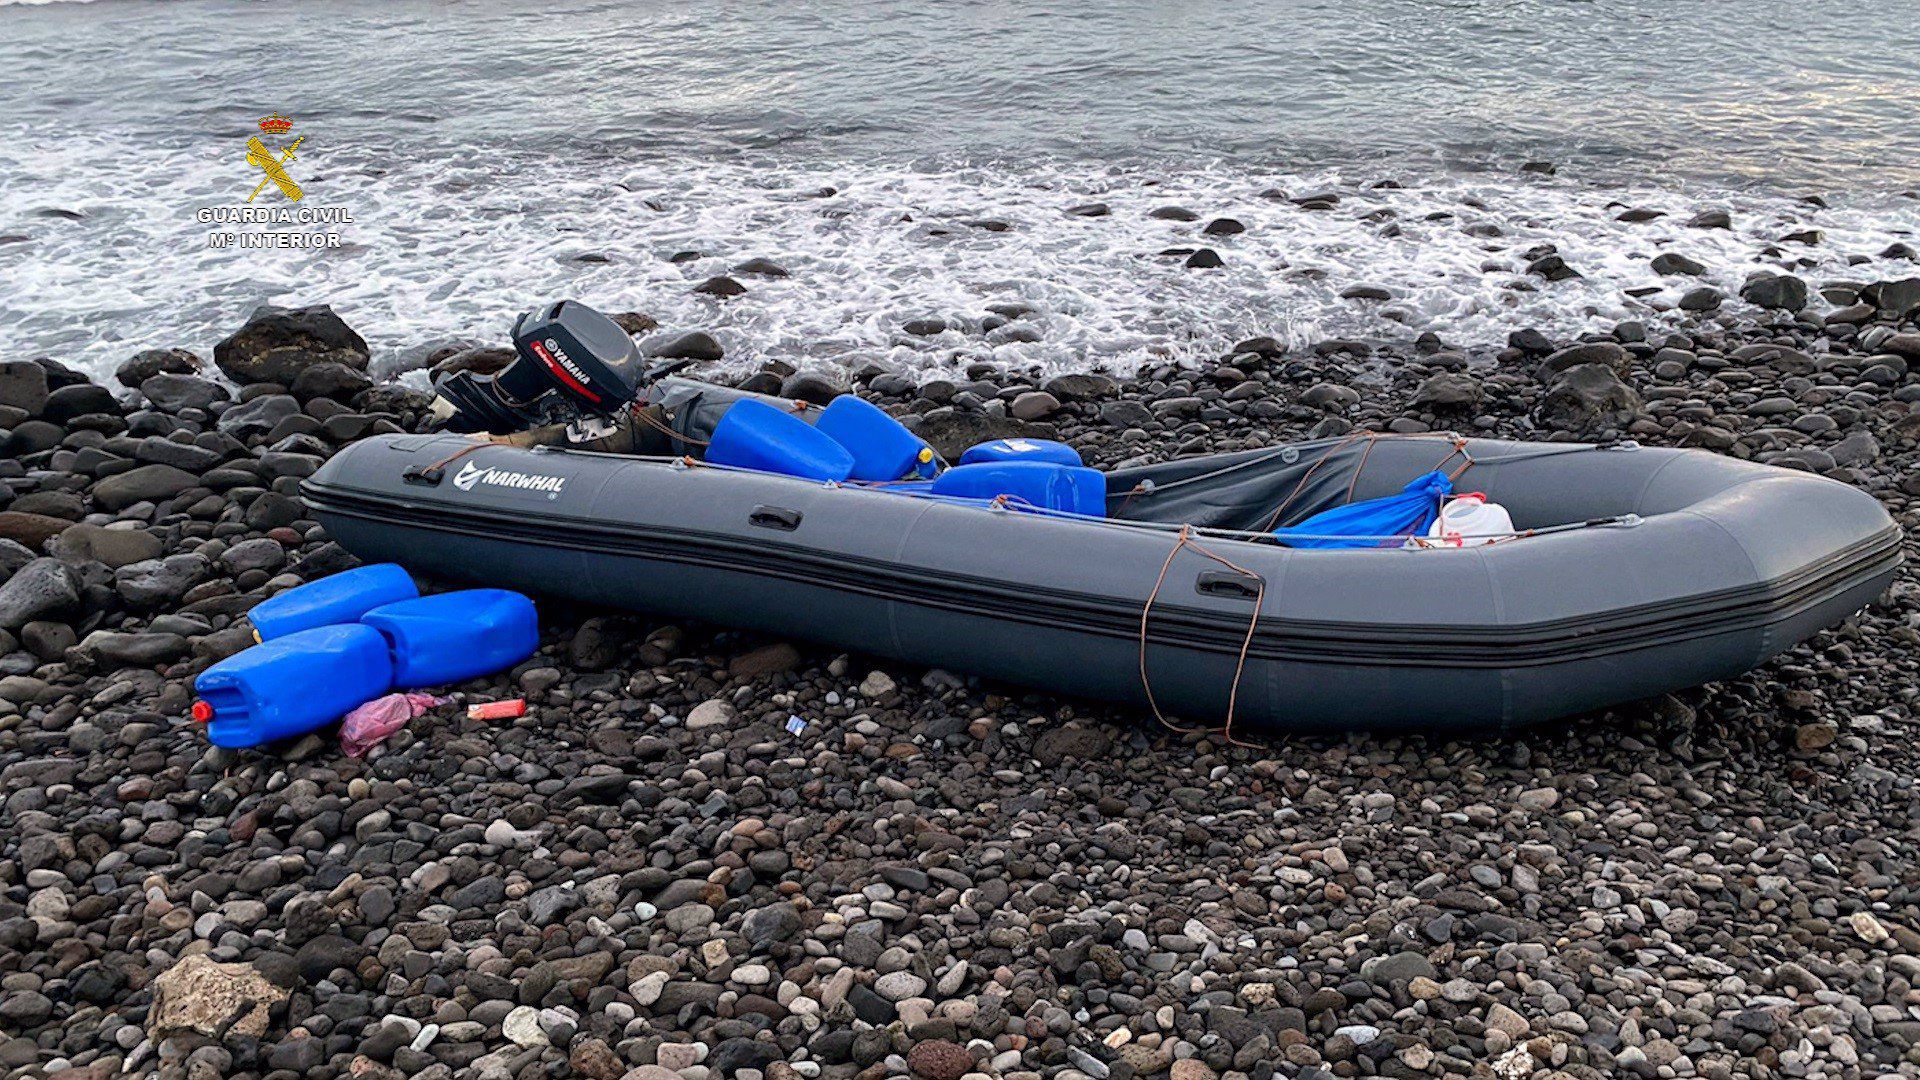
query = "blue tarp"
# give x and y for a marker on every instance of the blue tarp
(1362, 524)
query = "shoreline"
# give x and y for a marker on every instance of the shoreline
(936, 876)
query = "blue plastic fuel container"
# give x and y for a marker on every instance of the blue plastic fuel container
(342, 598)
(756, 435)
(1058, 453)
(292, 684)
(456, 636)
(1074, 489)
(882, 447)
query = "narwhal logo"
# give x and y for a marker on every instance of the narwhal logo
(471, 474)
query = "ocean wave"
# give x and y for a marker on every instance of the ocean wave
(447, 249)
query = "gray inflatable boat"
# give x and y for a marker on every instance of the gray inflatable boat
(1638, 570)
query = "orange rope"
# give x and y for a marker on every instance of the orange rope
(1185, 540)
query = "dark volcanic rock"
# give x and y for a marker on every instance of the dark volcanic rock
(692, 345)
(951, 432)
(276, 344)
(1780, 291)
(171, 393)
(145, 365)
(41, 588)
(1587, 396)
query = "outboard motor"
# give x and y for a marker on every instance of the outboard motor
(576, 367)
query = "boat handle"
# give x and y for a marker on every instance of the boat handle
(1232, 586)
(775, 517)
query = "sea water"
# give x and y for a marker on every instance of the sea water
(912, 160)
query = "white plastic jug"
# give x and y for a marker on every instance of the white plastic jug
(1468, 520)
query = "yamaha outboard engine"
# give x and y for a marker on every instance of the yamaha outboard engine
(576, 367)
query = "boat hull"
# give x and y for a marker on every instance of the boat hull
(1704, 586)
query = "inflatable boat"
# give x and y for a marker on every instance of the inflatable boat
(1631, 570)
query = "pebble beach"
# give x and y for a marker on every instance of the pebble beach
(1152, 231)
(705, 855)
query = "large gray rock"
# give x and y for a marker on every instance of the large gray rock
(951, 432)
(145, 365)
(1895, 298)
(41, 588)
(692, 345)
(1777, 292)
(148, 483)
(1590, 395)
(258, 416)
(1587, 352)
(1448, 390)
(113, 547)
(156, 583)
(23, 385)
(170, 392)
(277, 344)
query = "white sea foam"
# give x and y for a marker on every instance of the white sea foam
(445, 250)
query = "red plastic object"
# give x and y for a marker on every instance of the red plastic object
(202, 712)
(511, 709)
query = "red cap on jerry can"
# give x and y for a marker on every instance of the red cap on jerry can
(202, 712)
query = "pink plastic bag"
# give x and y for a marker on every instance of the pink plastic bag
(369, 725)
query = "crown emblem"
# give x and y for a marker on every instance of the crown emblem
(275, 124)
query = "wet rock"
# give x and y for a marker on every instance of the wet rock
(1224, 226)
(1173, 213)
(720, 285)
(276, 343)
(1710, 219)
(760, 267)
(1204, 259)
(1704, 298)
(691, 345)
(1669, 263)
(1897, 299)
(1782, 292)
(146, 364)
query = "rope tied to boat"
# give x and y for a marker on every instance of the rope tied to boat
(1185, 540)
(432, 474)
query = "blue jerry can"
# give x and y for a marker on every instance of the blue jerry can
(292, 684)
(882, 447)
(342, 598)
(755, 435)
(1058, 453)
(1076, 490)
(456, 636)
